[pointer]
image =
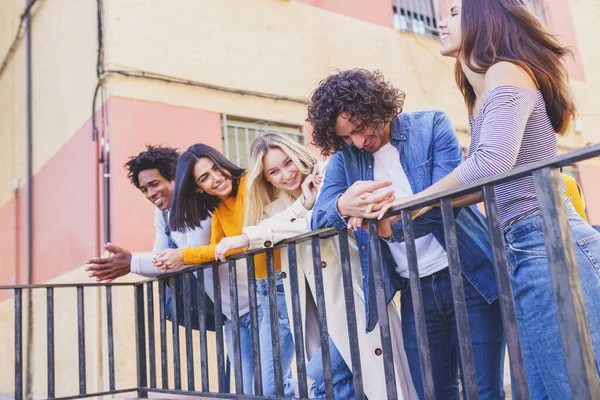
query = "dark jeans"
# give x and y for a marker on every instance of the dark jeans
(486, 333)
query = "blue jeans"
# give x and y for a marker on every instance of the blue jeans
(286, 340)
(341, 376)
(535, 305)
(487, 335)
(246, 350)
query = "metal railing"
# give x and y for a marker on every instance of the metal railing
(568, 294)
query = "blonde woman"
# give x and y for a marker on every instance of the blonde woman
(282, 187)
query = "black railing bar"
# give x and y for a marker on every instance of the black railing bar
(110, 339)
(50, 330)
(220, 348)
(163, 334)
(216, 395)
(376, 266)
(318, 265)
(566, 284)
(19, 344)
(519, 172)
(274, 317)
(81, 396)
(187, 315)
(64, 285)
(140, 340)
(297, 319)
(351, 315)
(173, 284)
(461, 316)
(151, 340)
(418, 307)
(201, 294)
(235, 328)
(254, 325)
(81, 338)
(505, 294)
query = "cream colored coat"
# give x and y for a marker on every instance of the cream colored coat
(286, 218)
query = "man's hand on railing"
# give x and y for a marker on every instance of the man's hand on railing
(414, 213)
(359, 199)
(230, 243)
(168, 259)
(110, 268)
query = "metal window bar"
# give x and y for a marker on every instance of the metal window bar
(19, 344)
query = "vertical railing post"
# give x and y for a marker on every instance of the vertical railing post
(174, 287)
(297, 318)
(254, 326)
(201, 293)
(376, 265)
(111, 345)
(19, 344)
(219, 329)
(235, 327)
(461, 316)
(505, 294)
(164, 372)
(570, 306)
(81, 339)
(50, 339)
(151, 341)
(187, 315)
(140, 341)
(274, 314)
(351, 315)
(418, 306)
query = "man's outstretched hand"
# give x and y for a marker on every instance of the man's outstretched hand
(110, 268)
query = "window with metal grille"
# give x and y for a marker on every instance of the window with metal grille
(238, 134)
(423, 16)
(418, 16)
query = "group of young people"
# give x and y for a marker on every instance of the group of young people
(511, 72)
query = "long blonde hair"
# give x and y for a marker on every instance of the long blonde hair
(260, 192)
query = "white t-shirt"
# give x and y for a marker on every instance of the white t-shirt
(430, 253)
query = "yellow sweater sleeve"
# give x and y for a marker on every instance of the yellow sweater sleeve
(203, 254)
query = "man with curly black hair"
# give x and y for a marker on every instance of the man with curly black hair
(379, 154)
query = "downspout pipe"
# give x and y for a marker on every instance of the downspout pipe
(29, 197)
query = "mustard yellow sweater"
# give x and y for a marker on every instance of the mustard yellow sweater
(228, 220)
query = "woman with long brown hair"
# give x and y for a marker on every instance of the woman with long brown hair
(511, 72)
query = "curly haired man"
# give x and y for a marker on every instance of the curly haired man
(380, 153)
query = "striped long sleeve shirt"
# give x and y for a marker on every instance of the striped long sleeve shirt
(512, 129)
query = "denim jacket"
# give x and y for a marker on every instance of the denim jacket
(429, 150)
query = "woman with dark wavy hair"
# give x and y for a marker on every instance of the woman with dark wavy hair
(511, 72)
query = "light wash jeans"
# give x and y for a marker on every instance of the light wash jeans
(246, 349)
(487, 337)
(286, 340)
(341, 376)
(534, 300)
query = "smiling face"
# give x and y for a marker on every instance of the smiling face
(450, 31)
(210, 180)
(281, 171)
(369, 140)
(156, 188)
